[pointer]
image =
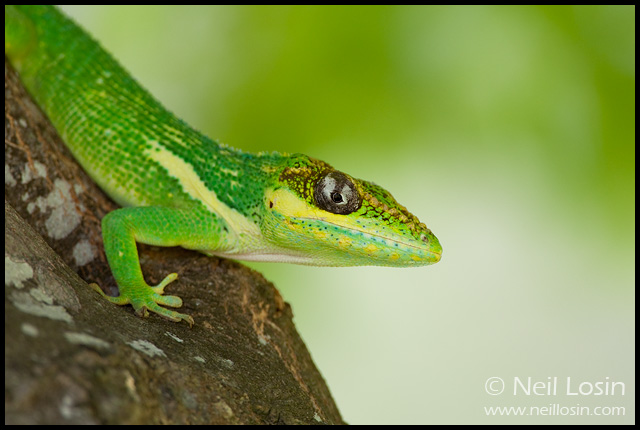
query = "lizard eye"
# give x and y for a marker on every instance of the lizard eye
(336, 193)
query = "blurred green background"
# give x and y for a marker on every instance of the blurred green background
(508, 130)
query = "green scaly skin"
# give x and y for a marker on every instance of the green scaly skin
(180, 188)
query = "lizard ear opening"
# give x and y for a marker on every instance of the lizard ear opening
(336, 193)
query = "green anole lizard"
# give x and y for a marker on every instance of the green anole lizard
(180, 188)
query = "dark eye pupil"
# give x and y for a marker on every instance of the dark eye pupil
(337, 197)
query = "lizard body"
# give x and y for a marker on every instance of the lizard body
(180, 188)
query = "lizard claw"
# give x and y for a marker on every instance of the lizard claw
(145, 298)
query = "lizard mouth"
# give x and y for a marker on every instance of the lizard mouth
(431, 247)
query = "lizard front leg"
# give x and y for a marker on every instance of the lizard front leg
(153, 225)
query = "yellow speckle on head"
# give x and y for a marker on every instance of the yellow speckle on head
(344, 242)
(321, 234)
(305, 171)
(292, 226)
(415, 258)
(371, 248)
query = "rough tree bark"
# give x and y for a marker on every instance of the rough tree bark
(73, 358)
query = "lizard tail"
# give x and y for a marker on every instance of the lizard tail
(20, 36)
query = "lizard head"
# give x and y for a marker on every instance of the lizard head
(324, 217)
